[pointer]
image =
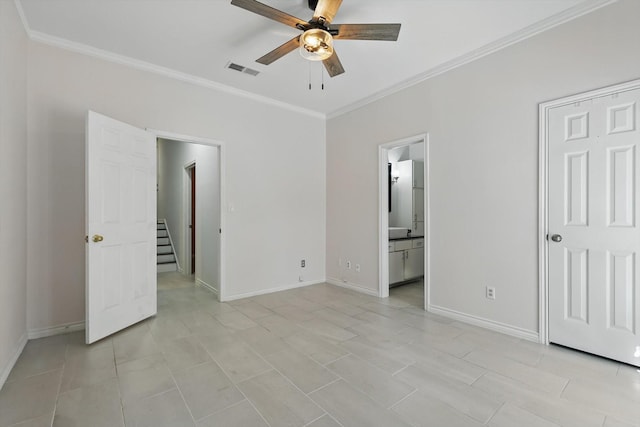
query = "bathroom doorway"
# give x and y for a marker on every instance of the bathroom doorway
(404, 220)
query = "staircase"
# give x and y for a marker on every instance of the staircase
(166, 254)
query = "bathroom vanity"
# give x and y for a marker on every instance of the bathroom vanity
(406, 260)
(406, 221)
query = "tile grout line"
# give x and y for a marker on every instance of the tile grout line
(64, 365)
(339, 358)
(326, 414)
(315, 419)
(115, 368)
(238, 388)
(495, 413)
(564, 388)
(298, 388)
(385, 373)
(179, 391)
(327, 385)
(415, 390)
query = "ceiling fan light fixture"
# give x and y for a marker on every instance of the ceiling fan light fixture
(316, 44)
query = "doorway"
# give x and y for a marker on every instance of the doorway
(122, 253)
(190, 194)
(405, 256)
(589, 234)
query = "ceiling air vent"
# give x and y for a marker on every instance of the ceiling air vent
(242, 69)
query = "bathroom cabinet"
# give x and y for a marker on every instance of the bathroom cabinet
(406, 260)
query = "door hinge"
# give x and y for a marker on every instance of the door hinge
(86, 239)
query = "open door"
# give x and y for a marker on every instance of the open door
(121, 178)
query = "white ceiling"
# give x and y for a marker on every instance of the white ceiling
(197, 38)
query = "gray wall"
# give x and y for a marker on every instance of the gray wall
(483, 124)
(173, 156)
(274, 179)
(13, 186)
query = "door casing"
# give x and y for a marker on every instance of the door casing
(543, 200)
(222, 170)
(188, 214)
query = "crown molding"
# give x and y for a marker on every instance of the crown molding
(523, 34)
(164, 71)
(65, 44)
(22, 15)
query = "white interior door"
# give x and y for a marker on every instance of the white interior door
(594, 177)
(121, 226)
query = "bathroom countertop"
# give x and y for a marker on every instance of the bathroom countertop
(406, 238)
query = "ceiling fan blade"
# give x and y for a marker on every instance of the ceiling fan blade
(388, 32)
(280, 51)
(327, 10)
(271, 13)
(333, 65)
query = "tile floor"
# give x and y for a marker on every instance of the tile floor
(320, 356)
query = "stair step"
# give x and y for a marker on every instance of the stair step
(166, 260)
(163, 259)
(164, 249)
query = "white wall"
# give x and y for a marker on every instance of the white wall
(172, 176)
(482, 119)
(13, 175)
(274, 178)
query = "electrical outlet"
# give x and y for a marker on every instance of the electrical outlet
(303, 263)
(348, 265)
(491, 292)
(358, 268)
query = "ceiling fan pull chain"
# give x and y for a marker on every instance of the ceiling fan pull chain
(322, 73)
(309, 75)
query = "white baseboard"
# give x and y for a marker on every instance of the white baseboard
(485, 323)
(271, 290)
(352, 286)
(55, 330)
(13, 359)
(207, 286)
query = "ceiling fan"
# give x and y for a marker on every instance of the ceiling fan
(316, 41)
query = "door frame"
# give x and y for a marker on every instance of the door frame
(383, 214)
(222, 170)
(187, 213)
(543, 192)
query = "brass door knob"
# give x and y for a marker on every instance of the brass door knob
(97, 238)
